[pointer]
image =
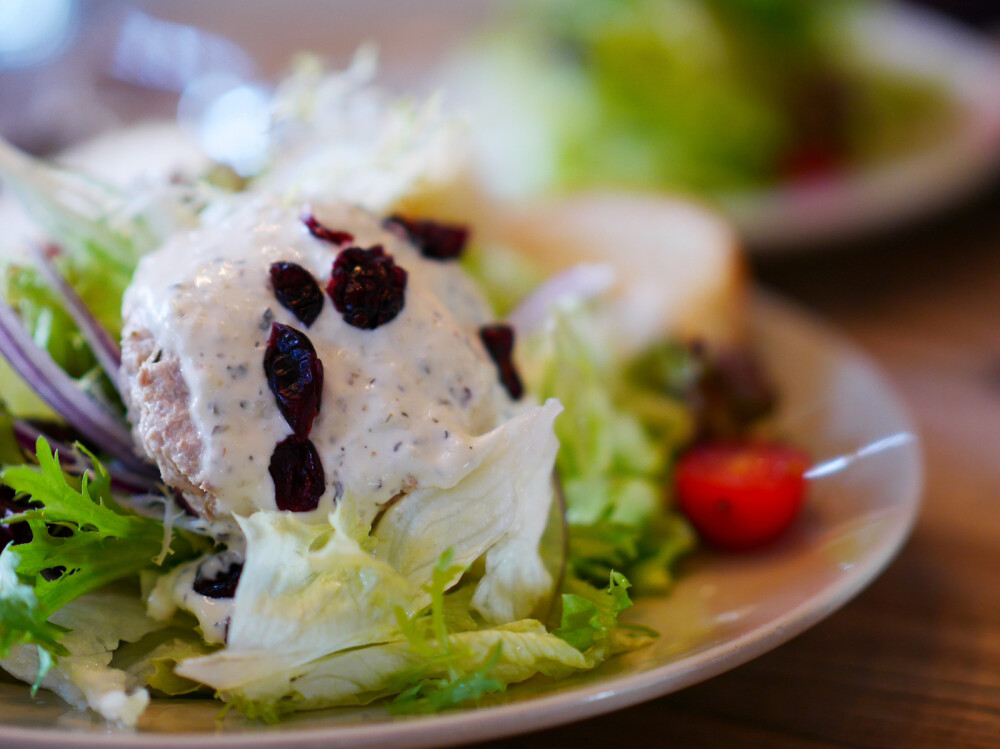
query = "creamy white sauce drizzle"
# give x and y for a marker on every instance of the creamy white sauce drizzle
(400, 403)
(176, 590)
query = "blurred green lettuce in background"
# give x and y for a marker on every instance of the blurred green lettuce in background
(707, 96)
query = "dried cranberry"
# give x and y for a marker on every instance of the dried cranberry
(299, 479)
(367, 287)
(434, 240)
(295, 375)
(327, 235)
(15, 533)
(732, 393)
(499, 342)
(223, 585)
(297, 291)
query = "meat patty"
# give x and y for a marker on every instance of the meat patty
(158, 398)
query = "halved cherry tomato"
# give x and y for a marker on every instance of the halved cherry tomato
(741, 495)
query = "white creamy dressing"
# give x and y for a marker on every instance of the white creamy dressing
(176, 590)
(400, 403)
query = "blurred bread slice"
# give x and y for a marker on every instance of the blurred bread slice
(149, 150)
(680, 268)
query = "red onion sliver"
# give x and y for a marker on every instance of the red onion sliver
(59, 390)
(122, 479)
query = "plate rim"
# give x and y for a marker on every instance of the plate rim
(591, 700)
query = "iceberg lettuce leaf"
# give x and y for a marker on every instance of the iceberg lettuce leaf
(454, 669)
(427, 664)
(493, 658)
(508, 482)
(155, 666)
(282, 612)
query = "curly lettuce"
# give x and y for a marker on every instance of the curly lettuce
(81, 541)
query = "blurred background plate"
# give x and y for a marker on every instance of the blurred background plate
(930, 180)
(69, 69)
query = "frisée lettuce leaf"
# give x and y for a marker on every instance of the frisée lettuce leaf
(22, 620)
(81, 540)
(590, 619)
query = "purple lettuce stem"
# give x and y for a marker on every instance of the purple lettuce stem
(105, 348)
(60, 391)
(73, 461)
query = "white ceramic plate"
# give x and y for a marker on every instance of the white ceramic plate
(724, 611)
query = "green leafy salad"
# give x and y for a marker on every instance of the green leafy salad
(708, 96)
(276, 444)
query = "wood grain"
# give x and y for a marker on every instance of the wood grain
(914, 662)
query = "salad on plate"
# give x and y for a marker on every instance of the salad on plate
(285, 439)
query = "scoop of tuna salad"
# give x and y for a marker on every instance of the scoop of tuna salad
(240, 355)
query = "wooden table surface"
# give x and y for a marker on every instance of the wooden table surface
(914, 661)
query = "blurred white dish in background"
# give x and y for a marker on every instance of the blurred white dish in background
(792, 218)
(899, 36)
(518, 148)
(152, 150)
